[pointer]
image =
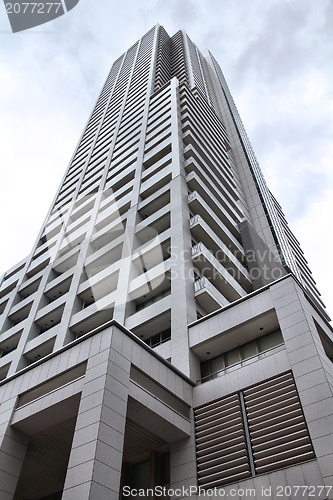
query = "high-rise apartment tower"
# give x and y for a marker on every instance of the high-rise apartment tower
(165, 330)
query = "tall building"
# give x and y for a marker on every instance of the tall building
(165, 330)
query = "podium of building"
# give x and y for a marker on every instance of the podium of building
(165, 331)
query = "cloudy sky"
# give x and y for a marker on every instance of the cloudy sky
(277, 57)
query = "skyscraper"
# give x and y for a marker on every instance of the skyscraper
(165, 330)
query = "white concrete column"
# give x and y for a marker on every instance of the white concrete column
(94, 468)
(183, 307)
(311, 367)
(13, 447)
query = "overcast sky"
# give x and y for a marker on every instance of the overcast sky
(276, 56)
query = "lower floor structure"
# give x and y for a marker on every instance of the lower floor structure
(108, 417)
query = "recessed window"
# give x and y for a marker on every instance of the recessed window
(159, 338)
(242, 355)
(152, 300)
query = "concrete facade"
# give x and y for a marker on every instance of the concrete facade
(165, 331)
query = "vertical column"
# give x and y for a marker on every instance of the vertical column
(95, 462)
(183, 308)
(183, 464)
(312, 369)
(13, 447)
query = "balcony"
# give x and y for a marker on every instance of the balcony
(44, 247)
(50, 315)
(156, 154)
(154, 225)
(58, 287)
(107, 258)
(151, 320)
(198, 206)
(233, 259)
(105, 240)
(210, 146)
(110, 214)
(109, 233)
(3, 304)
(20, 311)
(156, 182)
(123, 178)
(192, 149)
(108, 200)
(8, 287)
(152, 253)
(151, 281)
(9, 341)
(4, 369)
(218, 204)
(54, 228)
(154, 168)
(66, 261)
(38, 264)
(72, 241)
(77, 224)
(94, 315)
(121, 192)
(39, 348)
(98, 286)
(207, 296)
(11, 333)
(83, 209)
(29, 287)
(154, 202)
(211, 268)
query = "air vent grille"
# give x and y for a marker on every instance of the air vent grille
(277, 427)
(221, 444)
(255, 431)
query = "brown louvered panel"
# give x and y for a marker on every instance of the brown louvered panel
(232, 472)
(221, 446)
(279, 435)
(218, 426)
(278, 461)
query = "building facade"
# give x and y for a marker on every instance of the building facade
(165, 331)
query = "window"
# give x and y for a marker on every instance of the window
(251, 432)
(159, 338)
(152, 300)
(242, 355)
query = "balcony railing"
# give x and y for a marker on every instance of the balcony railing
(203, 284)
(227, 282)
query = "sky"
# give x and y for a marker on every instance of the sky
(276, 56)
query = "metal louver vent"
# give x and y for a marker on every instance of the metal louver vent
(257, 430)
(279, 435)
(221, 445)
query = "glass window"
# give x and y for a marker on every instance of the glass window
(205, 369)
(232, 357)
(248, 350)
(269, 341)
(245, 354)
(216, 364)
(166, 334)
(155, 340)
